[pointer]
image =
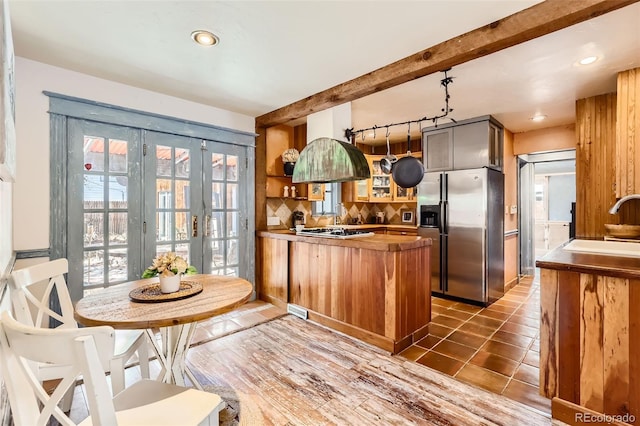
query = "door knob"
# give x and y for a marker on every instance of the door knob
(194, 226)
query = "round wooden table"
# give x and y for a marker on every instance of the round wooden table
(176, 319)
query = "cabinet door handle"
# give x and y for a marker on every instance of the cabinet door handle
(194, 226)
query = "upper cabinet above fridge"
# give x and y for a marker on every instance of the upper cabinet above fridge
(467, 144)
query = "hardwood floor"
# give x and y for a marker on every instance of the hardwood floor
(288, 371)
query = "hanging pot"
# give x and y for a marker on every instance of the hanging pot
(386, 163)
(408, 171)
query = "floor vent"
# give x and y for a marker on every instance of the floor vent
(297, 311)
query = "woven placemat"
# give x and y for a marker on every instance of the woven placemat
(151, 293)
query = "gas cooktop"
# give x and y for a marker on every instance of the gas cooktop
(334, 233)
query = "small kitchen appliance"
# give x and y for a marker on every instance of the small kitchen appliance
(298, 218)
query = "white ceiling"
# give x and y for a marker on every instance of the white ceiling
(273, 53)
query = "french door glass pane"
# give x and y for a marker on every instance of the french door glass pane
(118, 228)
(93, 149)
(216, 195)
(173, 199)
(118, 156)
(118, 265)
(232, 168)
(181, 227)
(183, 250)
(225, 215)
(93, 267)
(182, 163)
(105, 189)
(232, 251)
(118, 194)
(93, 229)
(93, 191)
(217, 166)
(232, 224)
(232, 195)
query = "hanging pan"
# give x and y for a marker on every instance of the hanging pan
(386, 163)
(408, 171)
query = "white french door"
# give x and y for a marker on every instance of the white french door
(135, 193)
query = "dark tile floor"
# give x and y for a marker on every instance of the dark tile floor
(496, 348)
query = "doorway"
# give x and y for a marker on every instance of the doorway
(134, 194)
(547, 193)
(122, 194)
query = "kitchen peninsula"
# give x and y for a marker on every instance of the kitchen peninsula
(590, 334)
(374, 288)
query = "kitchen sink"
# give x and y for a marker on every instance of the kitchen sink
(610, 248)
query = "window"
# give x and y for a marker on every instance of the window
(328, 206)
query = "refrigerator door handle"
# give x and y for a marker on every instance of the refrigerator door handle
(444, 213)
(444, 264)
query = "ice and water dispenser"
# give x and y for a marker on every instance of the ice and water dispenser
(430, 216)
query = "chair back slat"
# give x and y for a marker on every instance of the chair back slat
(82, 351)
(32, 299)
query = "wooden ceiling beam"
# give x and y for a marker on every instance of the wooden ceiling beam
(536, 21)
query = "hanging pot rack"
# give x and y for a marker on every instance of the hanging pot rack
(351, 134)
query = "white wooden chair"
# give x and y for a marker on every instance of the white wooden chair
(31, 307)
(87, 352)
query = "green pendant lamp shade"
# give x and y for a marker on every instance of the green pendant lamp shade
(326, 160)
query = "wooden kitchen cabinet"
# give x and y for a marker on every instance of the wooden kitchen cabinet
(279, 139)
(380, 188)
(380, 184)
(316, 192)
(589, 334)
(377, 288)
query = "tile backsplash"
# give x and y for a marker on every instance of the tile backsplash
(283, 209)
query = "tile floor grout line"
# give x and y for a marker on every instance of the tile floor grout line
(520, 305)
(485, 342)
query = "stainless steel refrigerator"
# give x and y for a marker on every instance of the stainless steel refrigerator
(462, 212)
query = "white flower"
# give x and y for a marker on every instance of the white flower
(290, 155)
(168, 264)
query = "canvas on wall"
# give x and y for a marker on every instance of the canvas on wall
(7, 99)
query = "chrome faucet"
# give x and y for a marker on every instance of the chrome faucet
(616, 206)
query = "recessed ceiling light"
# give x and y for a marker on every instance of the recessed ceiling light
(588, 60)
(538, 117)
(205, 38)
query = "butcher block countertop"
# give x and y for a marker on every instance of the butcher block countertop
(591, 263)
(379, 242)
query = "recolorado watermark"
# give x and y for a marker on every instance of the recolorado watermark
(604, 418)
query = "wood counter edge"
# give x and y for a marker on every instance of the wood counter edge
(590, 263)
(376, 242)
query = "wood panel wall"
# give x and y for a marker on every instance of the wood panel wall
(595, 164)
(590, 341)
(628, 133)
(628, 144)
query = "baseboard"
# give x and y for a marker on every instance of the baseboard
(275, 302)
(575, 415)
(511, 284)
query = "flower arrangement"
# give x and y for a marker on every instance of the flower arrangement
(169, 264)
(290, 155)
